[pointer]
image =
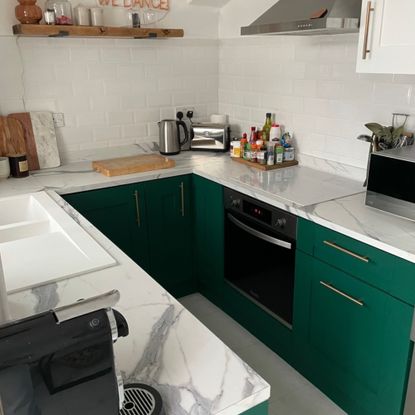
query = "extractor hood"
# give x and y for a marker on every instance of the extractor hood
(308, 17)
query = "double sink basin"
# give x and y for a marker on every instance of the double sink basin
(40, 243)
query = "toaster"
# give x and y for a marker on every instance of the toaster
(210, 137)
(62, 361)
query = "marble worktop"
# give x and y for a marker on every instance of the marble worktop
(317, 194)
(168, 348)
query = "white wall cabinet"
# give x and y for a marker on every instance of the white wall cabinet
(387, 37)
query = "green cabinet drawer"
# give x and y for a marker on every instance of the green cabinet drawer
(353, 340)
(376, 267)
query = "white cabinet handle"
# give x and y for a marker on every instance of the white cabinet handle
(369, 12)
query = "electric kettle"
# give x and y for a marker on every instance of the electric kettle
(170, 142)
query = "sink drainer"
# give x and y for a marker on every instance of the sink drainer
(141, 400)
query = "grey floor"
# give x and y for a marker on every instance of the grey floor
(291, 394)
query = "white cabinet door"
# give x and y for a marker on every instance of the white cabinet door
(389, 28)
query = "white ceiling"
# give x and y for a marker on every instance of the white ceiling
(209, 3)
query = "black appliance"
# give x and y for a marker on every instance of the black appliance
(62, 361)
(391, 184)
(260, 242)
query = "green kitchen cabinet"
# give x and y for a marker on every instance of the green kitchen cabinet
(151, 222)
(118, 212)
(378, 268)
(169, 223)
(261, 409)
(208, 236)
(352, 340)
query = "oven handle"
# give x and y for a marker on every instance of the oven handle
(260, 235)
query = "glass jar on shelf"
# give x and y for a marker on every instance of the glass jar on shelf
(63, 11)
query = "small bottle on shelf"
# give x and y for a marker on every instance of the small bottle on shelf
(279, 154)
(275, 132)
(253, 136)
(267, 127)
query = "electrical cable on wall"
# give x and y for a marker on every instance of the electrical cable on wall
(22, 74)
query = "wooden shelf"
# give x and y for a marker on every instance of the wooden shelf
(36, 30)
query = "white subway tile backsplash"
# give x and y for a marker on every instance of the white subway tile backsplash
(159, 99)
(115, 55)
(91, 118)
(120, 118)
(398, 93)
(105, 71)
(314, 91)
(133, 102)
(82, 55)
(107, 133)
(114, 92)
(134, 131)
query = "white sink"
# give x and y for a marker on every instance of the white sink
(40, 243)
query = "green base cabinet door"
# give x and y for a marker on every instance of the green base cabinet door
(118, 212)
(169, 224)
(261, 409)
(352, 340)
(208, 236)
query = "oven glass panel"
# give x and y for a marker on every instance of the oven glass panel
(261, 270)
(392, 177)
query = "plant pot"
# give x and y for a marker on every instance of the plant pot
(27, 12)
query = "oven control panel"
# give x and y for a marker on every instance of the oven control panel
(269, 216)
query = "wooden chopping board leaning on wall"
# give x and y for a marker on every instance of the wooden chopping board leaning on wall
(12, 140)
(40, 139)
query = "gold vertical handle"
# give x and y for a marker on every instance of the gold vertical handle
(341, 293)
(137, 207)
(369, 11)
(182, 198)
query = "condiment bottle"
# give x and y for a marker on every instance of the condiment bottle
(254, 153)
(279, 154)
(252, 137)
(275, 133)
(267, 127)
(244, 142)
(260, 144)
(270, 154)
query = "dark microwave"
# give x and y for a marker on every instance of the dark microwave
(391, 184)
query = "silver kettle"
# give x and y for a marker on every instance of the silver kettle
(170, 142)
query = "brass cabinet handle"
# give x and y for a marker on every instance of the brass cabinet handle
(369, 11)
(182, 210)
(346, 251)
(348, 297)
(137, 207)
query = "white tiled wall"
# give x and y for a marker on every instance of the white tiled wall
(112, 92)
(311, 84)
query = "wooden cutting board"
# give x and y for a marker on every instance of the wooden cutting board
(11, 137)
(32, 157)
(134, 164)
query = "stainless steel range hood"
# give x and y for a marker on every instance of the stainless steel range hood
(308, 17)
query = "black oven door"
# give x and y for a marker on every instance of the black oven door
(260, 264)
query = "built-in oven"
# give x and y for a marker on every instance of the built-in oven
(260, 242)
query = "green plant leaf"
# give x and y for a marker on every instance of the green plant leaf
(376, 128)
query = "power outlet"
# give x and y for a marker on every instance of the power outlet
(58, 119)
(185, 109)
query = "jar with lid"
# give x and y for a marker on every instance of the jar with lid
(63, 11)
